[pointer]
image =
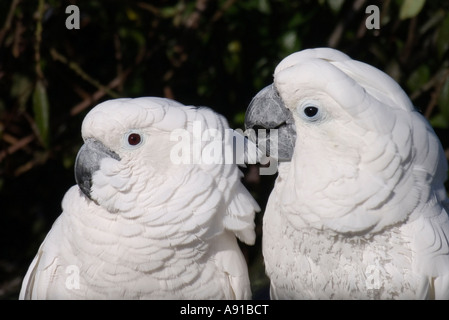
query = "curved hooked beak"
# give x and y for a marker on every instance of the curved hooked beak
(267, 111)
(88, 161)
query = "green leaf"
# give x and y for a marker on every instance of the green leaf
(41, 112)
(264, 6)
(239, 119)
(131, 14)
(443, 100)
(21, 89)
(411, 8)
(335, 5)
(169, 12)
(133, 35)
(234, 46)
(418, 78)
(443, 37)
(290, 42)
(439, 121)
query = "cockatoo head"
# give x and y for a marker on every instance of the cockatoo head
(126, 146)
(355, 140)
(318, 86)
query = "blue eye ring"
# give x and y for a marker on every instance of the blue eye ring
(310, 111)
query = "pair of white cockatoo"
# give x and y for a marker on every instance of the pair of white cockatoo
(358, 210)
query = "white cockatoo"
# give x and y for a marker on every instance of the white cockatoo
(359, 209)
(156, 211)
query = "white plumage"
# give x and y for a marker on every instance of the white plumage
(149, 228)
(360, 211)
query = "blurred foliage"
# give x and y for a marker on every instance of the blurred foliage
(215, 53)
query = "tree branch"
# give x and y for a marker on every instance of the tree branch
(116, 82)
(8, 20)
(79, 71)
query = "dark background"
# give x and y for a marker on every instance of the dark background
(203, 52)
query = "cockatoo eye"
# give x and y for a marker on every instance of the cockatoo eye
(133, 139)
(310, 112)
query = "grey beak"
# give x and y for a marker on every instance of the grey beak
(267, 111)
(88, 161)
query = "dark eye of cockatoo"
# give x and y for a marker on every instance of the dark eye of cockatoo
(309, 112)
(134, 139)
